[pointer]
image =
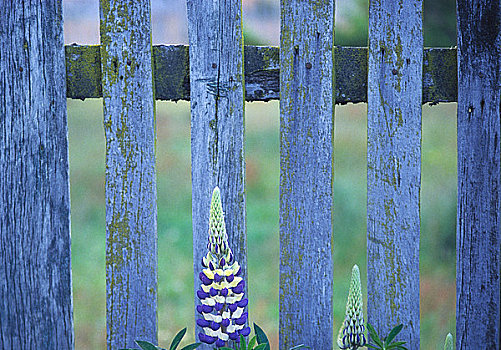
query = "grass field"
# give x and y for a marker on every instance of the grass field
(175, 296)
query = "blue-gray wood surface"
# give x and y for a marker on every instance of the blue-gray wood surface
(306, 148)
(394, 166)
(217, 123)
(130, 183)
(261, 67)
(478, 241)
(35, 274)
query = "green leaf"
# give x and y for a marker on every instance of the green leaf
(177, 339)
(398, 343)
(261, 336)
(261, 346)
(225, 348)
(373, 346)
(300, 346)
(146, 345)
(192, 346)
(393, 333)
(243, 343)
(374, 336)
(252, 343)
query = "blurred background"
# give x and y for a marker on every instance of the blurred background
(175, 296)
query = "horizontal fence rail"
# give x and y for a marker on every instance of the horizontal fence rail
(262, 71)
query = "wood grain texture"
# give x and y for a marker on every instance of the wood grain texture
(35, 274)
(479, 175)
(394, 166)
(130, 183)
(217, 123)
(306, 147)
(262, 71)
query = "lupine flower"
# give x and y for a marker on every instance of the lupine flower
(351, 335)
(222, 308)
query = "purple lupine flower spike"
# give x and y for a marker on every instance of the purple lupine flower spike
(222, 291)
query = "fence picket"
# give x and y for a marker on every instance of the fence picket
(35, 276)
(217, 123)
(306, 129)
(130, 188)
(394, 166)
(479, 175)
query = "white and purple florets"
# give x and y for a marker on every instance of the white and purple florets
(221, 294)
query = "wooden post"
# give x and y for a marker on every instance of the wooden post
(306, 130)
(35, 273)
(131, 212)
(394, 166)
(479, 175)
(217, 123)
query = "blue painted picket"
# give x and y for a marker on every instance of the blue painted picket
(395, 75)
(394, 166)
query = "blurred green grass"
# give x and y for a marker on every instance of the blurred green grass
(175, 297)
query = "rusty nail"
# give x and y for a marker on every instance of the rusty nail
(20, 69)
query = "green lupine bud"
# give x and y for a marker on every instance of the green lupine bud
(449, 345)
(218, 239)
(351, 334)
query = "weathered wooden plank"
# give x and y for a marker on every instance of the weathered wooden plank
(261, 67)
(479, 175)
(394, 166)
(35, 274)
(217, 123)
(306, 147)
(130, 183)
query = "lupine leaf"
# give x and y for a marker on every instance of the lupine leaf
(373, 346)
(393, 333)
(397, 343)
(146, 345)
(396, 346)
(261, 346)
(300, 346)
(192, 346)
(252, 343)
(374, 335)
(177, 339)
(261, 337)
(243, 344)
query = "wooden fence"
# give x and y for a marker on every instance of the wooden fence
(394, 75)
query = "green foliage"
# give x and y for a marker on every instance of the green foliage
(144, 345)
(258, 342)
(386, 343)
